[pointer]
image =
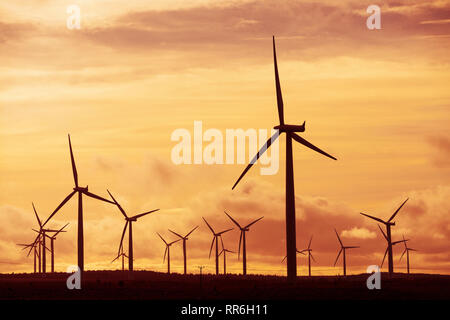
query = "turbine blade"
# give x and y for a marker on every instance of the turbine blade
(411, 249)
(162, 238)
(165, 252)
(278, 86)
(235, 222)
(384, 257)
(338, 238)
(90, 194)
(123, 234)
(74, 168)
(256, 157)
(61, 230)
(250, 224)
(222, 232)
(115, 258)
(59, 207)
(352, 247)
(309, 244)
(37, 217)
(337, 257)
(283, 259)
(144, 214)
(210, 228)
(384, 234)
(212, 244)
(301, 252)
(404, 251)
(171, 243)
(175, 233)
(221, 241)
(310, 145)
(117, 204)
(374, 218)
(312, 257)
(395, 213)
(191, 232)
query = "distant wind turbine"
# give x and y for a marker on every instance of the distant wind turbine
(310, 256)
(243, 241)
(388, 236)
(290, 131)
(123, 256)
(216, 239)
(343, 248)
(167, 251)
(407, 250)
(80, 191)
(128, 224)
(185, 238)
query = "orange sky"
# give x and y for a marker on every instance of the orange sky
(136, 71)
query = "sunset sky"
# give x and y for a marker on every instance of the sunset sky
(137, 70)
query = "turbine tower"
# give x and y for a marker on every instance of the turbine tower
(290, 131)
(243, 241)
(388, 237)
(81, 191)
(216, 239)
(310, 256)
(185, 238)
(407, 250)
(128, 224)
(343, 248)
(168, 244)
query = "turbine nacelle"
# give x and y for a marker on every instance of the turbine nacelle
(290, 127)
(80, 189)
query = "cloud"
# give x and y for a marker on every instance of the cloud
(358, 233)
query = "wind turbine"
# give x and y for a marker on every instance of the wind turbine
(388, 237)
(123, 255)
(42, 234)
(343, 248)
(80, 191)
(310, 256)
(32, 247)
(224, 252)
(42, 258)
(290, 131)
(242, 240)
(387, 248)
(216, 239)
(128, 223)
(185, 238)
(167, 251)
(407, 250)
(52, 245)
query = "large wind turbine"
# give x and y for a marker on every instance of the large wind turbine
(310, 256)
(343, 248)
(167, 251)
(80, 191)
(407, 250)
(185, 238)
(242, 240)
(216, 239)
(290, 131)
(388, 237)
(128, 224)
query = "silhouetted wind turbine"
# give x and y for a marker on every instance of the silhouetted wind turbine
(242, 240)
(185, 238)
(343, 248)
(41, 241)
(167, 251)
(388, 237)
(290, 131)
(216, 239)
(310, 256)
(128, 224)
(52, 244)
(387, 248)
(80, 191)
(407, 250)
(224, 252)
(32, 247)
(123, 255)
